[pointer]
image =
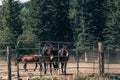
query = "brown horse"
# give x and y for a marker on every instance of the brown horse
(29, 58)
(47, 58)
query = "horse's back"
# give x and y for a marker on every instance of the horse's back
(38, 57)
(30, 58)
(54, 52)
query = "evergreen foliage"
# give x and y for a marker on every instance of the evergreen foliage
(36, 18)
(112, 29)
(82, 21)
(11, 22)
(49, 20)
(27, 34)
(62, 22)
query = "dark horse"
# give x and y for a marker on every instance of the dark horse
(29, 58)
(56, 59)
(63, 59)
(53, 57)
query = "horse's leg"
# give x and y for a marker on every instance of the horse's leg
(35, 66)
(62, 65)
(25, 66)
(54, 65)
(65, 67)
(50, 67)
(57, 65)
(45, 68)
(40, 66)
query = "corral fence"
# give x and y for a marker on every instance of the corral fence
(6, 58)
(80, 61)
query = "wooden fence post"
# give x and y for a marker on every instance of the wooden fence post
(101, 58)
(9, 62)
(86, 59)
(17, 47)
(77, 61)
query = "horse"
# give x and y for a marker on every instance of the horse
(63, 60)
(47, 58)
(52, 56)
(58, 58)
(55, 59)
(29, 58)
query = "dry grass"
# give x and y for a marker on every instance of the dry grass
(72, 77)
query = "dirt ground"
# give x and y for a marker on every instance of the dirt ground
(83, 68)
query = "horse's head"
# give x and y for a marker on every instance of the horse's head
(18, 59)
(49, 51)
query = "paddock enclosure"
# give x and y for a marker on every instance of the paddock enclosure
(80, 61)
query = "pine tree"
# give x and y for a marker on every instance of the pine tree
(11, 21)
(90, 19)
(62, 22)
(97, 18)
(80, 24)
(36, 16)
(112, 29)
(49, 20)
(16, 23)
(27, 34)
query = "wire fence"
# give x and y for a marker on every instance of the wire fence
(79, 61)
